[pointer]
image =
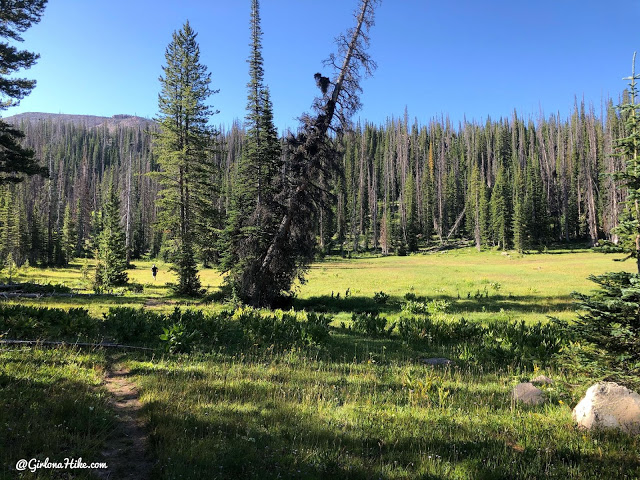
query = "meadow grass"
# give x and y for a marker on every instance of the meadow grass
(290, 415)
(52, 406)
(352, 407)
(486, 286)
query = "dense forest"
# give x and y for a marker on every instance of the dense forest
(512, 183)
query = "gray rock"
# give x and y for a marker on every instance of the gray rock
(528, 394)
(542, 380)
(437, 361)
(609, 405)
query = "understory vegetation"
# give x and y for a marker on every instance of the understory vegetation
(334, 387)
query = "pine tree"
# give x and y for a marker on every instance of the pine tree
(69, 235)
(535, 206)
(313, 157)
(111, 269)
(628, 148)
(500, 212)
(183, 148)
(9, 223)
(16, 17)
(611, 321)
(520, 239)
(255, 214)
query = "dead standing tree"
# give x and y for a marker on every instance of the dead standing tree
(313, 160)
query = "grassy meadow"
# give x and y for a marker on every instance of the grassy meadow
(356, 405)
(480, 286)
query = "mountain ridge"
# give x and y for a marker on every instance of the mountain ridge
(89, 121)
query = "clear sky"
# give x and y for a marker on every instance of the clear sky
(459, 58)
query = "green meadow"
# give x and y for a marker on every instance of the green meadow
(480, 286)
(359, 403)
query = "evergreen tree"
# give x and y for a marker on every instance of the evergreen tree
(536, 208)
(69, 235)
(313, 158)
(628, 148)
(9, 224)
(183, 148)
(111, 269)
(520, 240)
(16, 17)
(255, 214)
(611, 321)
(499, 211)
(477, 208)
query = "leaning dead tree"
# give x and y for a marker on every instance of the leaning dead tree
(313, 159)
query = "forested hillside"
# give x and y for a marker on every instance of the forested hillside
(513, 183)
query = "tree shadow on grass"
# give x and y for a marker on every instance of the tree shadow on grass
(266, 434)
(45, 413)
(335, 304)
(479, 303)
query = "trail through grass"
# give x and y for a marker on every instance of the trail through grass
(352, 406)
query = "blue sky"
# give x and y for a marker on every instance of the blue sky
(455, 57)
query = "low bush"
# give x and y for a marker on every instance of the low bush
(417, 306)
(126, 324)
(41, 323)
(380, 298)
(177, 339)
(135, 287)
(500, 343)
(610, 324)
(283, 329)
(371, 324)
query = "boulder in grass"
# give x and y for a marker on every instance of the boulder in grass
(609, 405)
(528, 394)
(437, 361)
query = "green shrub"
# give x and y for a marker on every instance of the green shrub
(24, 322)
(611, 323)
(44, 288)
(282, 329)
(135, 288)
(415, 329)
(500, 343)
(380, 298)
(126, 324)
(371, 324)
(316, 328)
(416, 306)
(177, 339)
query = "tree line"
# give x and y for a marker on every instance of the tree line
(261, 206)
(511, 183)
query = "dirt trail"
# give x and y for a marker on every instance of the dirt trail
(126, 453)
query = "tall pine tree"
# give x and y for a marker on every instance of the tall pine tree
(111, 269)
(500, 211)
(183, 148)
(628, 148)
(16, 17)
(255, 214)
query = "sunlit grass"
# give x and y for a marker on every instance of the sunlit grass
(482, 286)
(354, 407)
(289, 416)
(51, 406)
(485, 286)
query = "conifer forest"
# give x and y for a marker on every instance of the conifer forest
(184, 298)
(513, 183)
(261, 205)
